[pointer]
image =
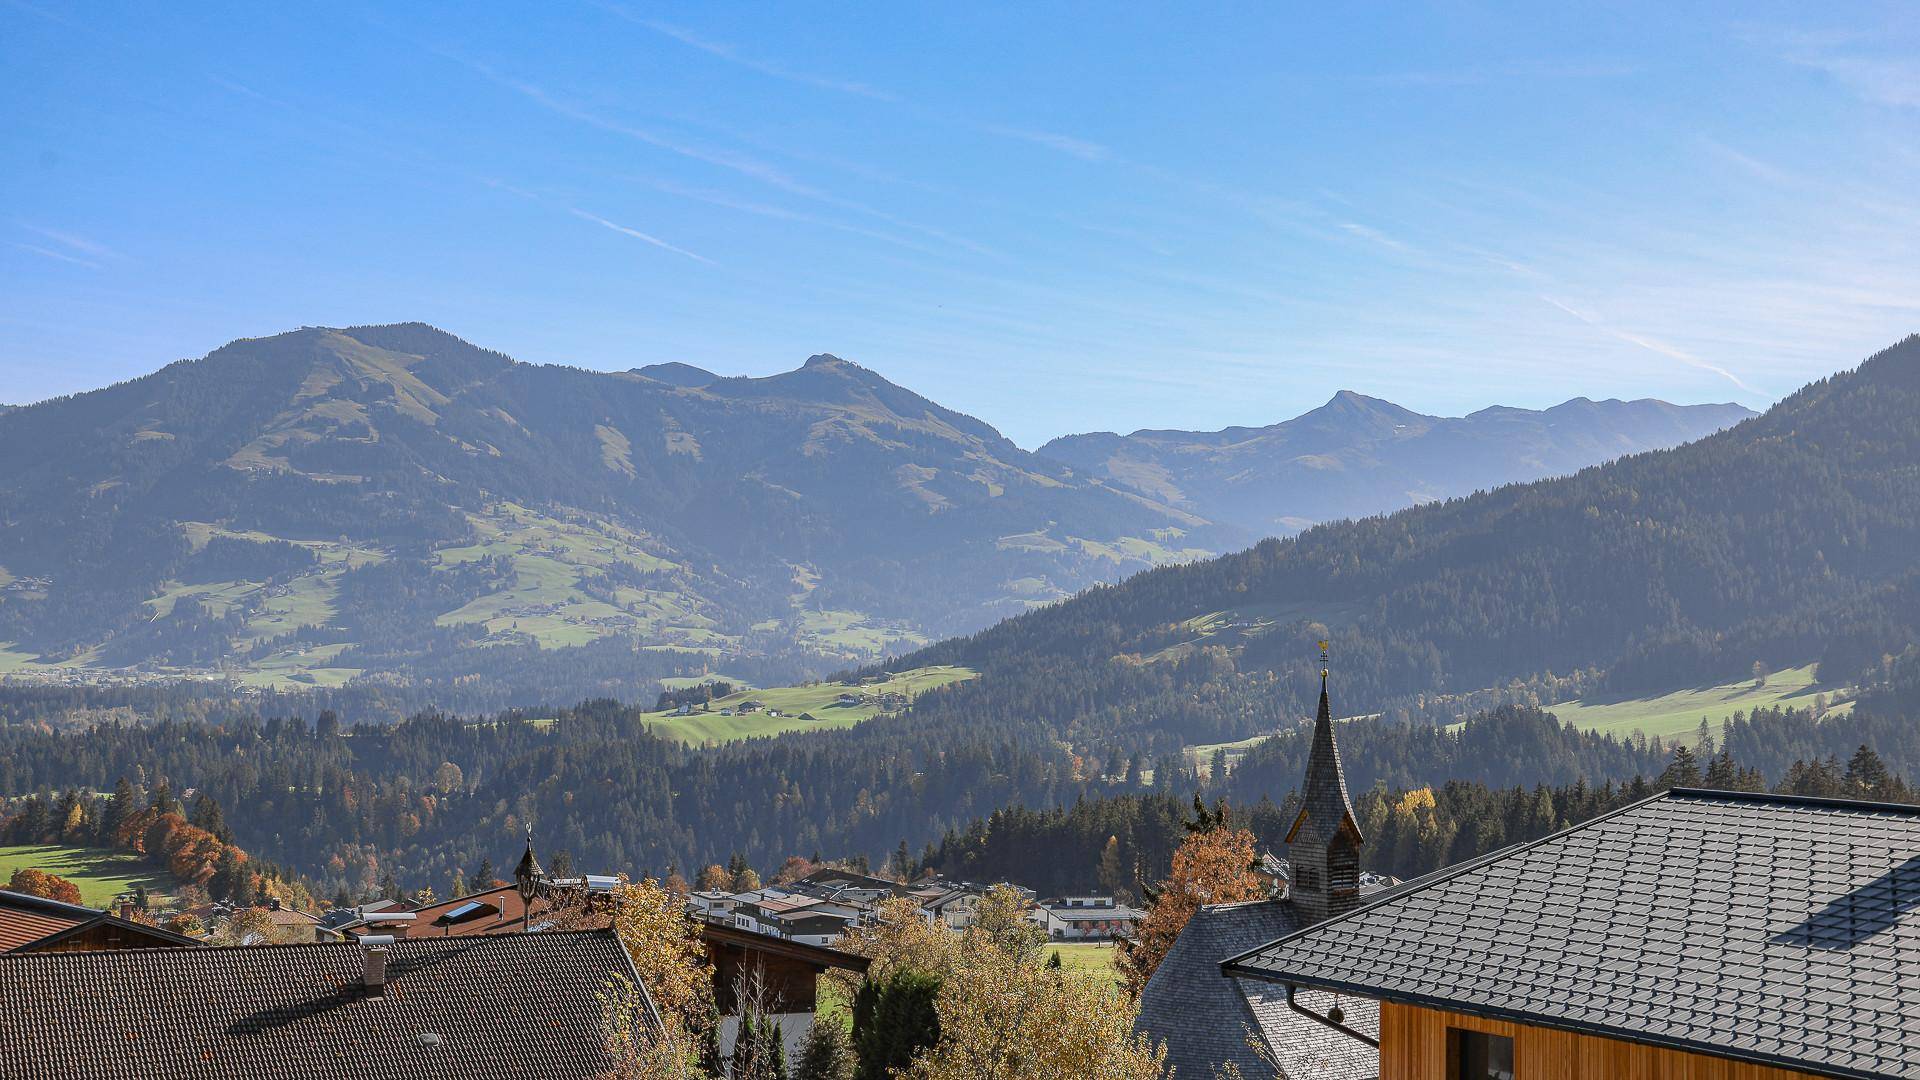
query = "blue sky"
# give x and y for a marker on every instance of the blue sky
(1058, 219)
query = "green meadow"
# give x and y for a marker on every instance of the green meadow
(1680, 712)
(100, 874)
(819, 700)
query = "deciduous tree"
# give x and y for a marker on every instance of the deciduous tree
(1210, 867)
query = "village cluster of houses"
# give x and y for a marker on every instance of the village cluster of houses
(821, 907)
(1732, 935)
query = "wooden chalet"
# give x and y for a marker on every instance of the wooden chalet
(36, 924)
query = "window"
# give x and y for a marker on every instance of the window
(1476, 1055)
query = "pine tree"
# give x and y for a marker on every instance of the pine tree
(826, 1055)
(893, 1021)
(1683, 771)
(1866, 773)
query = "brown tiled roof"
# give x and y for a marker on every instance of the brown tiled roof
(505, 918)
(487, 1008)
(26, 918)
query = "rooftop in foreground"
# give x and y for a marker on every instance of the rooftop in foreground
(1764, 928)
(486, 1008)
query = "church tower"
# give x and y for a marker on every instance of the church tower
(1323, 846)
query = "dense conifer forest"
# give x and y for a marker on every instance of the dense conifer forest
(433, 795)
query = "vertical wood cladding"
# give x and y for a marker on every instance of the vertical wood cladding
(1413, 1046)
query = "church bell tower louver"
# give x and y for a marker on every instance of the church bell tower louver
(1323, 845)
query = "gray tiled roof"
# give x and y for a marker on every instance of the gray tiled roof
(1758, 927)
(1324, 803)
(499, 1008)
(1205, 1017)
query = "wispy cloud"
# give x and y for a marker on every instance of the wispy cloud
(638, 235)
(1653, 345)
(1478, 76)
(1367, 232)
(1084, 149)
(242, 89)
(732, 55)
(73, 241)
(52, 254)
(742, 164)
(1859, 62)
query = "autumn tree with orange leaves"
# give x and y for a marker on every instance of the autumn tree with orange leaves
(1214, 865)
(44, 885)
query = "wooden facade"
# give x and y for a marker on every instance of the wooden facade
(103, 934)
(1413, 1046)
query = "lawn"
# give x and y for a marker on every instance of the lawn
(1091, 957)
(1680, 712)
(101, 874)
(821, 700)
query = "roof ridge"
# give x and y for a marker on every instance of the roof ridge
(462, 940)
(1836, 802)
(27, 899)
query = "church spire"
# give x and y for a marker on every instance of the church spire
(1324, 841)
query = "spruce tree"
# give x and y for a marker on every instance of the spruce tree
(827, 1055)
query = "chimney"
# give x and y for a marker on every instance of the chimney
(375, 978)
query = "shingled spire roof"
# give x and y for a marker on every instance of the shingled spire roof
(1324, 805)
(529, 868)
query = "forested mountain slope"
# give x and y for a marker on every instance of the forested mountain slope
(393, 502)
(1792, 537)
(1357, 455)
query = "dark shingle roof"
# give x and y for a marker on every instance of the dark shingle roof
(502, 1007)
(1205, 1017)
(1763, 928)
(1324, 804)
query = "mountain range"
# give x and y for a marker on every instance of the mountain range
(1790, 539)
(392, 504)
(1357, 455)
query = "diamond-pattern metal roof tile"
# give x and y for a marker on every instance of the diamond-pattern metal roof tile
(1754, 926)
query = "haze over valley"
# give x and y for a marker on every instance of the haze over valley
(394, 504)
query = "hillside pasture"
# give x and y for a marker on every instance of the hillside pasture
(820, 700)
(100, 874)
(1680, 712)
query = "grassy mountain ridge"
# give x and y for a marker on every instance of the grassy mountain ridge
(394, 502)
(1793, 536)
(1357, 455)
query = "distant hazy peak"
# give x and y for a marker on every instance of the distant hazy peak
(675, 373)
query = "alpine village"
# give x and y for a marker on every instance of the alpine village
(584, 686)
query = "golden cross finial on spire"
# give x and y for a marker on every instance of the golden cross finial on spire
(1323, 661)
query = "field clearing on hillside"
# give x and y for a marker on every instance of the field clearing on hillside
(100, 874)
(1087, 957)
(12, 659)
(849, 631)
(1680, 712)
(544, 600)
(820, 700)
(304, 666)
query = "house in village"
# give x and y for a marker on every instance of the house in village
(36, 924)
(1084, 918)
(1694, 934)
(516, 1005)
(777, 953)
